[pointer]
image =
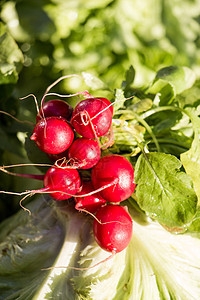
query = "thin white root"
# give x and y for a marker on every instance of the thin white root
(82, 269)
(17, 120)
(35, 99)
(23, 207)
(24, 165)
(56, 82)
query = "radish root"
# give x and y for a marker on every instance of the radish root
(35, 99)
(82, 269)
(17, 120)
(102, 223)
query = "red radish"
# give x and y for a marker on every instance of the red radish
(55, 107)
(85, 152)
(92, 118)
(90, 203)
(53, 135)
(109, 168)
(105, 100)
(66, 181)
(60, 182)
(113, 230)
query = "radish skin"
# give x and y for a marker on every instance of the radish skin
(113, 230)
(112, 167)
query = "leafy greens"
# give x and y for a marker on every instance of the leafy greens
(163, 253)
(51, 253)
(155, 265)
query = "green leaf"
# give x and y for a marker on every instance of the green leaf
(141, 106)
(39, 251)
(171, 81)
(194, 226)
(182, 78)
(26, 247)
(165, 91)
(164, 121)
(160, 265)
(163, 191)
(191, 158)
(34, 20)
(119, 100)
(127, 137)
(11, 58)
(130, 76)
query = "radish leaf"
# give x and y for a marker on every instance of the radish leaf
(163, 191)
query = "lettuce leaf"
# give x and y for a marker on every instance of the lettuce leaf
(11, 57)
(171, 81)
(191, 158)
(51, 255)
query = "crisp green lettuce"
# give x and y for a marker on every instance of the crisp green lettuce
(51, 254)
(11, 57)
(170, 81)
(39, 253)
(191, 158)
(104, 37)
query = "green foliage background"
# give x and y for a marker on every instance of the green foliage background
(42, 40)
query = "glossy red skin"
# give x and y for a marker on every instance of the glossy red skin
(84, 150)
(90, 203)
(109, 168)
(53, 135)
(105, 100)
(113, 236)
(62, 180)
(101, 123)
(58, 108)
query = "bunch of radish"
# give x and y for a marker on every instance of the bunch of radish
(71, 139)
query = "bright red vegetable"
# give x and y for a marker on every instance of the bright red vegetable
(107, 102)
(53, 135)
(113, 230)
(92, 118)
(114, 167)
(60, 182)
(66, 181)
(55, 107)
(90, 203)
(84, 152)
